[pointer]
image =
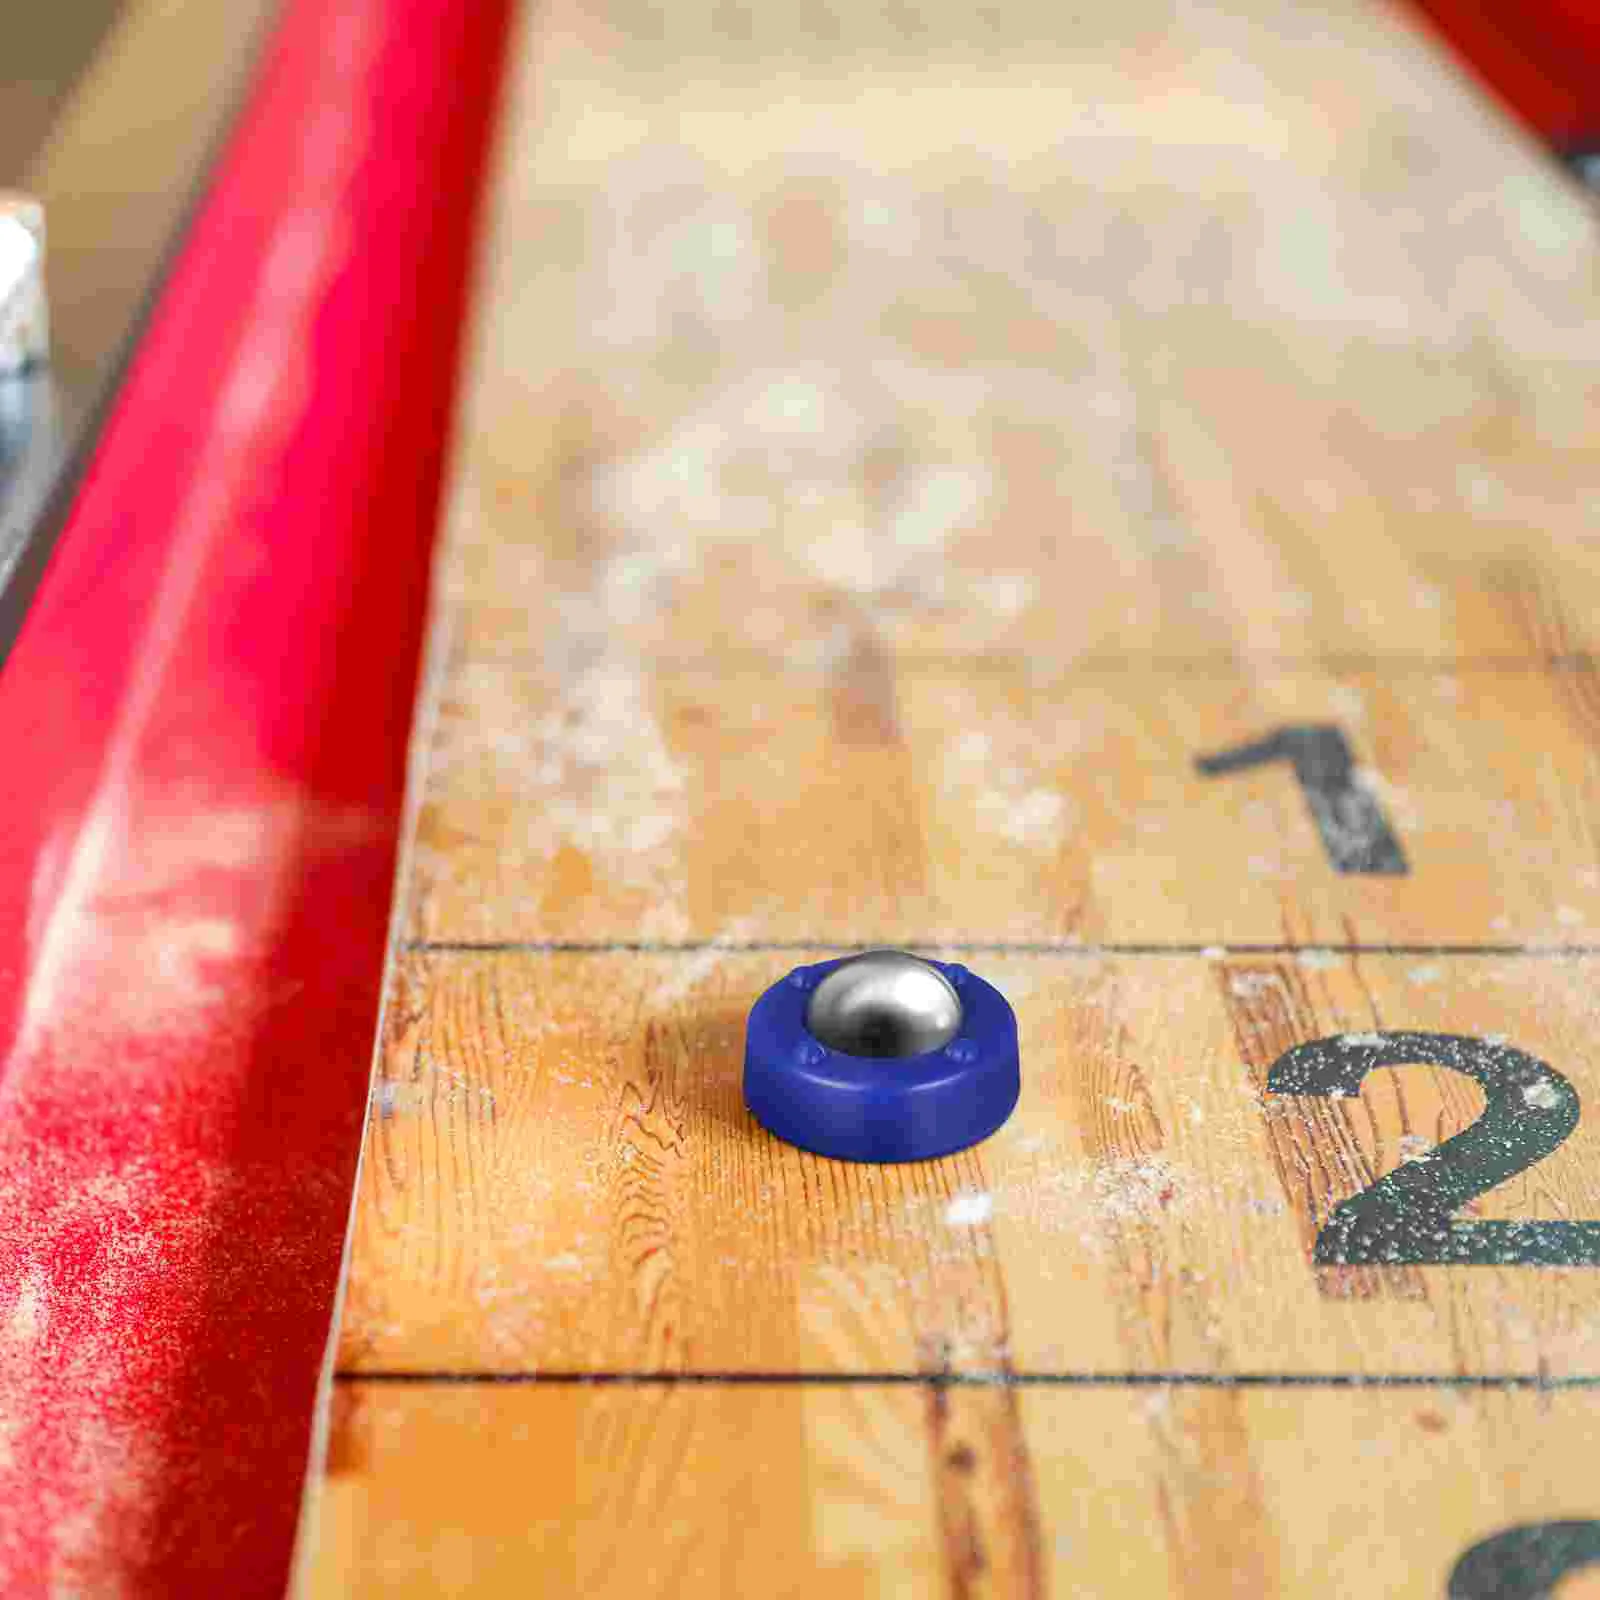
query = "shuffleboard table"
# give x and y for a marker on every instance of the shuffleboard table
(1108, 496)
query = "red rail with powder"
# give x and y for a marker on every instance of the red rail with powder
(205, 719)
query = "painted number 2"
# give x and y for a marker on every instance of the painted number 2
(1408, 1216)
(1355, 833)
(1526, 1562)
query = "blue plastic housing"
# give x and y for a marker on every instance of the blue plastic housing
(859, 1108)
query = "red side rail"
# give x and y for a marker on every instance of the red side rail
(1541, 57)
(203, 727)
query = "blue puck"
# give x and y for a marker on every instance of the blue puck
(882, 1057)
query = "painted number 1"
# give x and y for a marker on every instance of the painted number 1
(1355, 833)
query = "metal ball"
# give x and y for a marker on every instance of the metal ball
(886, 1004)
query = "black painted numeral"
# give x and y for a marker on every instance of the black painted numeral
(1355, 833)
(1407, 1216)
(1524, 1563)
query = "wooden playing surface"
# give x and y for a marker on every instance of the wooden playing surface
(901, 441)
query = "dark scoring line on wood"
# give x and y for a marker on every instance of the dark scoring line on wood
(1088, 666)
(993, 1380)
(1212, 950)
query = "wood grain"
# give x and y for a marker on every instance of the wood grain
(562, 1176)
(900, 440)
(883, 803)
(599, 1492)
(1214, 331)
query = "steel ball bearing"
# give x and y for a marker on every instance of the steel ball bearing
(882, 1057)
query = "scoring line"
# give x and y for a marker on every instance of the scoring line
(991, 1380)
(1215, 950)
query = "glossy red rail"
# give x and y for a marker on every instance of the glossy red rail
(204, 725)
(1541, 57)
